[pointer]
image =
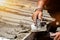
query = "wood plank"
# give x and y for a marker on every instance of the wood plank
(9, 22)
(14, 16)
(10, 19)
(16, 11)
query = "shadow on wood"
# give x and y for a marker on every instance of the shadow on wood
(38, 36)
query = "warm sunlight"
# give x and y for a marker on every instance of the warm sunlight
(2, 2)
(7, 2)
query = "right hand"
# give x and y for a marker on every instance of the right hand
(37, 14)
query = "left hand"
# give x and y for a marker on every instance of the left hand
(57, 37)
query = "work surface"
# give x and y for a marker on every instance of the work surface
(15, 19)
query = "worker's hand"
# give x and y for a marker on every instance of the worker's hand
(37, 14)
(57, 37)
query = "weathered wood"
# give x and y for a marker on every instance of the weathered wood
(10, 19)
(14, 13)
(11, 15)
(8, 22)
(17, 11)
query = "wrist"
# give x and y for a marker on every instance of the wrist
(39, 9)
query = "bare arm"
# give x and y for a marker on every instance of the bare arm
(42, 3)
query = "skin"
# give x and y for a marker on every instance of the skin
(57, 36)
(38, 13)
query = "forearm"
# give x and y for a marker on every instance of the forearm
(41, 3)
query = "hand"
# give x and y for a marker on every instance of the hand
(57, 37)
(37, 14)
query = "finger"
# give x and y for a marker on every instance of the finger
(34, 14)
(56, 37)
(40, 15)
(35, 17)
